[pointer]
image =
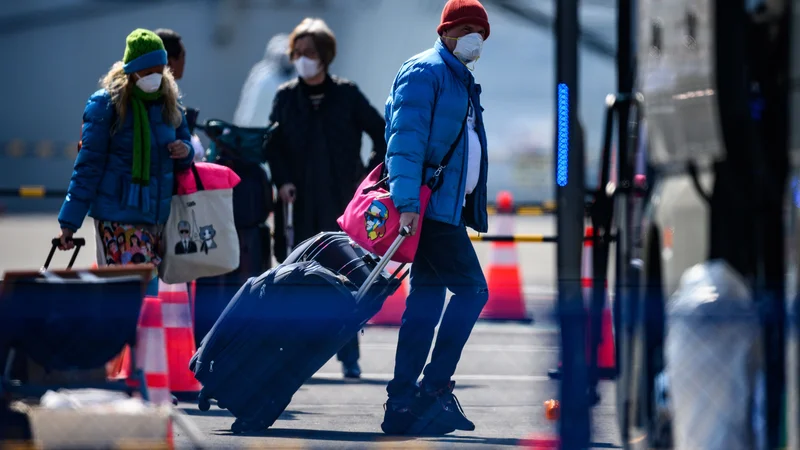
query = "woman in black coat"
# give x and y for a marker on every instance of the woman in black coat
(315, 155)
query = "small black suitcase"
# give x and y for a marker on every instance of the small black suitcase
(338, 253)
(283, 326)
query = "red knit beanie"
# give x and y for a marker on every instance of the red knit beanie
(459, 12)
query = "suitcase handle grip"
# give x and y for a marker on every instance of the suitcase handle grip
(404, 232)
(79, 242)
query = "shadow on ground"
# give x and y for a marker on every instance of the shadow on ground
(369, 382)
(346, 436)
(216, 412)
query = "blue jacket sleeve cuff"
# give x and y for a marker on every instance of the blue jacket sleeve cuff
(407, 206)
(185, 162)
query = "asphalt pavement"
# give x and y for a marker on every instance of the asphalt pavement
(501, 380)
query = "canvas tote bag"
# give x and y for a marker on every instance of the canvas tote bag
(200, 237)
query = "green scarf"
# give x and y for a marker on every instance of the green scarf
(141, 148)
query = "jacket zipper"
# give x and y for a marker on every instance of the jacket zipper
(464, 164)
(158, 193)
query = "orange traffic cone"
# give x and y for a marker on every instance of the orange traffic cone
(605, 349)
(151, 353)
(192, 297)
(606, 357)
(541, 442)
(391, 314)
(606, 353)
(506, 299)
(180, 337)
(117, 368)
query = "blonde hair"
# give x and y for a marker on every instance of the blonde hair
(119, 86)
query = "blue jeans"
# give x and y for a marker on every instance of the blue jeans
(445, 259)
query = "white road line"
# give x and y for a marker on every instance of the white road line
(478, 348)
(512, 328)
(388, 376)
(494, 328)
(539, 291)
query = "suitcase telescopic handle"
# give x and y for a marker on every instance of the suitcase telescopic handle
(79, 242)
(404, 232)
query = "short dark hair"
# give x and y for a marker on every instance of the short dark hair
(323, 38)
(172, 42)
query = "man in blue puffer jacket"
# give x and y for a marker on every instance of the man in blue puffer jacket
(134, 136)
(434, 109)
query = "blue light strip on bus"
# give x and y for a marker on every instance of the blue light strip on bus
(563, 135)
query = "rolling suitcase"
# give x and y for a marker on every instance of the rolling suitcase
(283, 326)
(338, 253)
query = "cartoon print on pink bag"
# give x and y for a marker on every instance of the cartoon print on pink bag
(375, 220)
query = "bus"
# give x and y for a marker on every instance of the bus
(714, 131)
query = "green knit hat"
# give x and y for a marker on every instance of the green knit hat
(143, 50)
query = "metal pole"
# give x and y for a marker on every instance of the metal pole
(626, 273)
(574, 426)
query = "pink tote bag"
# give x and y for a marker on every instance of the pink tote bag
(372, 221)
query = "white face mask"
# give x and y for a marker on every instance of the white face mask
(468, 48)
(149, 83)
(307, 67)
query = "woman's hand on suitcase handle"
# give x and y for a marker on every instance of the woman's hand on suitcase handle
(66, 239)
(287, 193)
(410, 220)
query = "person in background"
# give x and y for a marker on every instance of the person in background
(264, 79)
(438, 83)
(315, 155)
(176, 61)
(134, 136)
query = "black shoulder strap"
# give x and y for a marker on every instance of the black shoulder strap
(453, 146)
(434, 183)
(436, 180)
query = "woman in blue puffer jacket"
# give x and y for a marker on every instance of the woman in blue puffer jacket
(134, 136)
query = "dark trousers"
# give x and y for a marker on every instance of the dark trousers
(445, 259)
(349, 354)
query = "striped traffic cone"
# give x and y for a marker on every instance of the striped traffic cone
(506, 298)
(151, 351)
(180, 338)
(606, 358)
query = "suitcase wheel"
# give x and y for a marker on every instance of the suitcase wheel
(238, 426)
(242, 426)
(202, 402)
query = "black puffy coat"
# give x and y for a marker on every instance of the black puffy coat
(319, 151)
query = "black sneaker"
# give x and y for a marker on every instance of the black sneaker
(443, 410)
(403, 419)
(397, 418)
(351, 370)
